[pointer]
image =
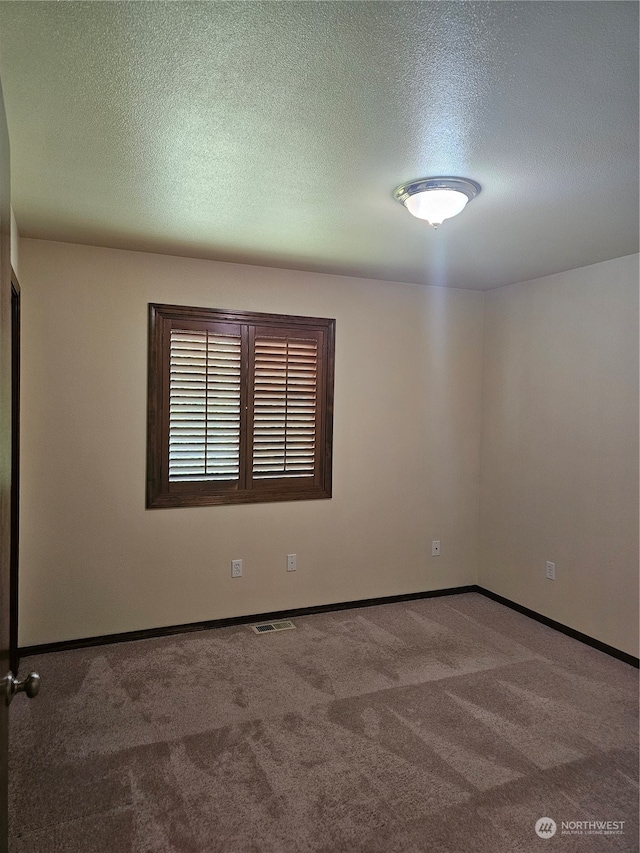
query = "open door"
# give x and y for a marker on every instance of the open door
(5, 459)
(14, 656)
(9, 463)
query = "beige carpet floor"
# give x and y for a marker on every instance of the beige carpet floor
(447, 724)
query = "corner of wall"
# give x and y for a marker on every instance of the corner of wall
(15, 245)
(480, 435)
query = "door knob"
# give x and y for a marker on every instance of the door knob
(10, 686)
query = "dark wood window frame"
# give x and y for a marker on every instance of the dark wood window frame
(249, 327)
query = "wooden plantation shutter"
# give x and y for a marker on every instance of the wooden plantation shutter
(240, 407)
(285, 404)
(204, 406)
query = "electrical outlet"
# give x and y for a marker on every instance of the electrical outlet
(435, 548)
(291, 562)
(236, 568)
(551, 571)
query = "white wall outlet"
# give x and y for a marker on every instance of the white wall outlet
(236, 568)
(291, 562)
(551, 571)
(435, 548)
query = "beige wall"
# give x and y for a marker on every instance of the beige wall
(559, 439)
(559, 477)
(406, 449)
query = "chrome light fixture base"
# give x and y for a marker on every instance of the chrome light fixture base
(447, 187)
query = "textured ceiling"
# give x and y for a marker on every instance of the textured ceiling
(275, 133)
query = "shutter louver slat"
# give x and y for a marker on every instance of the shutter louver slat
(284, 408)
(204, 406)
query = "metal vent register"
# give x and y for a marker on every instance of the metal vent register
(269, 627)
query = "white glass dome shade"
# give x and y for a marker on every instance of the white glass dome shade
(436, 199)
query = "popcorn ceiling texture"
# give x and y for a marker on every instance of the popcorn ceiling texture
(275, 133)
(449, 725)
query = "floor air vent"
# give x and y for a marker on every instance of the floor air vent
(269, 627)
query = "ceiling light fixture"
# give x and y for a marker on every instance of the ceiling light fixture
(436, 199)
